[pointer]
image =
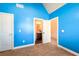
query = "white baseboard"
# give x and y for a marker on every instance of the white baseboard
(23, 46)
(75, 53)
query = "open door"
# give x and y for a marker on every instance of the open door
(6, 31)
(46, 31)
(42, 31)
(54, 31)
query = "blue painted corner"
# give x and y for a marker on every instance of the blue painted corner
(69, 22)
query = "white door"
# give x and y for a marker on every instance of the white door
(46, 31)
(6, 31)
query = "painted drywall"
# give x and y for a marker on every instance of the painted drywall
(69, 23)
(23, 20)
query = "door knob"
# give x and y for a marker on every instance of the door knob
(10, 34)
(43, 32)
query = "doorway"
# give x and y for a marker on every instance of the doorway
(54, 31)
(38, 31)
(41, 31)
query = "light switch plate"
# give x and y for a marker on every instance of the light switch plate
(62, 30)
(19, 30)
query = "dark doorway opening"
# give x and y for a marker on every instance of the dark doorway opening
(38, 30)
(38, 38)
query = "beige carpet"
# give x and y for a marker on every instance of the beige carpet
(49, 49)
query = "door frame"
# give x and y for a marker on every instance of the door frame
(12, 41)
(35, 30)
(57, 28)
(13, 33)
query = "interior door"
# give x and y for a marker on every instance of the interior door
(54, 26)
(6, 31)
(46, 31)
(54, 31)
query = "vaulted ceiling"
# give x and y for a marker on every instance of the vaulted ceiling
(51, 7)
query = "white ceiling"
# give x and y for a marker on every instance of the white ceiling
(51, 7)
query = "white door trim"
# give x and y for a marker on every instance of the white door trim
(13, 33)
(34, 27)
(57, 28)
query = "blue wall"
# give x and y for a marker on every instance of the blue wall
(69, 21)
(23, 20)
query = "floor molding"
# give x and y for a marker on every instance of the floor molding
(23, 46)
(60, 46)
